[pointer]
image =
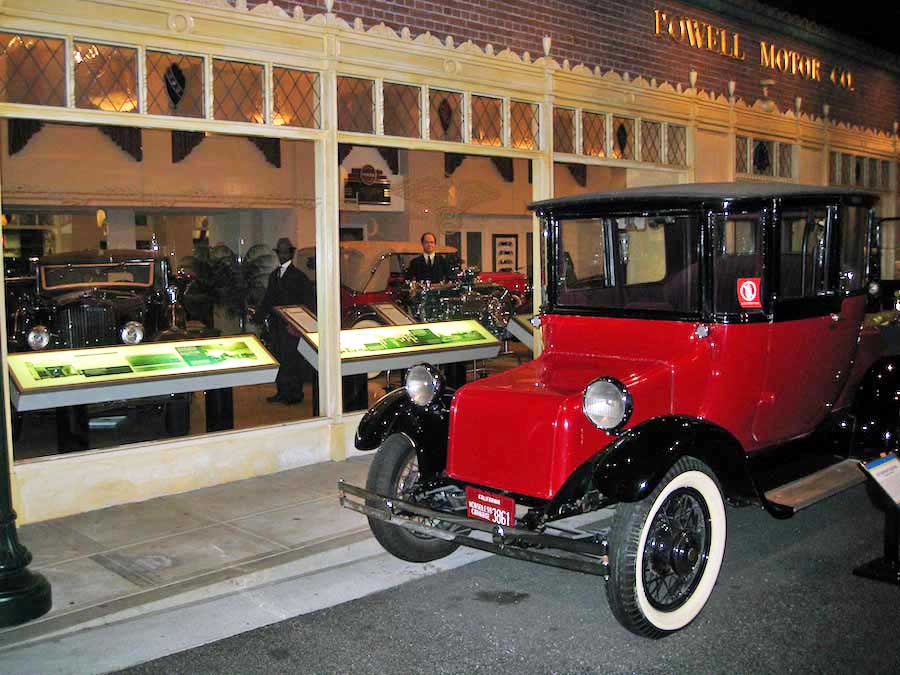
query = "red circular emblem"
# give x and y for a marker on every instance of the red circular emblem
(749, 291)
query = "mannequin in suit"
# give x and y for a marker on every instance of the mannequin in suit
(429, 266)
(287, 285)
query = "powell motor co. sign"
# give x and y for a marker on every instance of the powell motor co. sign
(709, 37)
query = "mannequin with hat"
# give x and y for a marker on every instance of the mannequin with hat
(287, 285)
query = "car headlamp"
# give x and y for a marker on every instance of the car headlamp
(607, 403)
(423, 384)
(132, 332)
(38, 337)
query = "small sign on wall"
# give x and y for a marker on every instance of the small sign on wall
(506, 252)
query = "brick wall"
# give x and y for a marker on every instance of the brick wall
(620, 36)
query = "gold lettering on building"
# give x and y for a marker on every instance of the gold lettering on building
(789, 61)
(699, 35)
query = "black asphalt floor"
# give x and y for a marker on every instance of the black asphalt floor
(786, 601)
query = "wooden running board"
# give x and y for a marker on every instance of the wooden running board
(816, 487)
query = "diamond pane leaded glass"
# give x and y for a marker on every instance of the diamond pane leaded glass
(846, 177)
(445, 115)
(763, 164)
(785, 160)
(237, 91)
(872, 174)
(885, 175)
(741, 164)
(296, 98)
(33, 69)
(833, 169)
(524, 125)
(623, 138)
(593, 134)
(487, 121)
(677, 149)
(651, 141)
(402, 110)
(356, 104)
(859, 171)
(563, 130)
(105, 77)
(174, 84)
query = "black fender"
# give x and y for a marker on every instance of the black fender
(632, 466)
(426, 427)
(876, 409)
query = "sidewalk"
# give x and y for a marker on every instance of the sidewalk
(123, 561)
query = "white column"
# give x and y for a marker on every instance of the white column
(120, 229)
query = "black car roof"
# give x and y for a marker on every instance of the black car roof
(91, 256)
(702, 192)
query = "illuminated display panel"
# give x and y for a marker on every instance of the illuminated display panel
(71, 368)
(364, 343)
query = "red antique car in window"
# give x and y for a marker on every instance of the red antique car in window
(703, 346)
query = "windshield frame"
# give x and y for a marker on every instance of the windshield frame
(555, 222)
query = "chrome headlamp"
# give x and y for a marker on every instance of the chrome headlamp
(132, 332)
(423, 384)
(38, 337)
(607, 404)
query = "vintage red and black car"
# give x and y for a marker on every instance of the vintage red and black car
(703, 345)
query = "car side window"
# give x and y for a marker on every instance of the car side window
(737, 263)
(854, 249)
(802, 267)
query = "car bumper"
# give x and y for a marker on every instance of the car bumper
(572, 550)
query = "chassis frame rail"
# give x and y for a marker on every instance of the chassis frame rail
(586, 555)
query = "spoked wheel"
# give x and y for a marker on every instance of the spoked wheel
(666, 551)
(395, 473)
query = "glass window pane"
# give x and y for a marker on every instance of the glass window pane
(563, 130)
(802, 267)
(105, 77)
(445, 115)
(885, 180)
(524, 125)
(356, 104)
(175, 84)
(402, 110)
(238, 91)
(736, 242)
(833, 169)
(872, 173)
(763, 159)
(851, 276)
(651, 141)
(593, 134)
(741, 164)
(785, 160)
(487, 121)
(848, 169)
(33, 69)
(623, 138)
(473, 250)
(296, 98)
(677, 149)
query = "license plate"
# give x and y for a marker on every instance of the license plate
(490, 507)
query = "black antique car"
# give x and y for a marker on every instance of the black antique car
(91, 298)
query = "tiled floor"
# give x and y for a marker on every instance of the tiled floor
(125, 553)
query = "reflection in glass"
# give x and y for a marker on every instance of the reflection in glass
(356, 104)
(237, 91)
(295, 98)
(105, 77)
(175, 84)
(487, 121)
(33, 69)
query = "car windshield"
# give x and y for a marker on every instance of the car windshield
(97, 274)
(643, 262)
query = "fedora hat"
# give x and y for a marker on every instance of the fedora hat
(284, 243)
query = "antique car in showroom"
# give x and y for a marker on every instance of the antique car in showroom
(372, 272)
(101, 298)
(703, 345)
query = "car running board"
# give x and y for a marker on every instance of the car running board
(818, 486)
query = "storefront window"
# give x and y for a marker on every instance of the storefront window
(34, 69)
(238, 91)
(159, 273)
(402, 110)
(396, 308)
(105, 77)
(740, 155)
(563, 130)
(524, 126)
(623, 138)
(677, 149)
(175, 84)
(785, 160)
(356, 104)
(593, 132)
(445, 115)
(651, 141)
(487, 121)
(296, 98)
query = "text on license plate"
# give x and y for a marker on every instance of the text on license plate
(490, 507)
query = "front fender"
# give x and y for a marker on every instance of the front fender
(632, 467)
(428, 428)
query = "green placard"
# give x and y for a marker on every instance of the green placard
(36, 371)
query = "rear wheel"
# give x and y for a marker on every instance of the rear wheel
(394, 473)
(666, 551)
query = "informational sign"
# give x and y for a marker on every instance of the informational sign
(748, 293)
(393, 314)
(521, 328)
(886, 472)
(300, 317)
(74, 376)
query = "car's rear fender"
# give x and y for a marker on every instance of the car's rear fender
(631, 467)
(426, 427)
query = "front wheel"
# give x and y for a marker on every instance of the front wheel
(666, 551)
(394, 473)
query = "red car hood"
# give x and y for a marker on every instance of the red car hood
(523, 431)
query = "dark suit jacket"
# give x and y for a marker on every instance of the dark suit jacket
(294, 288)
(418, 270)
